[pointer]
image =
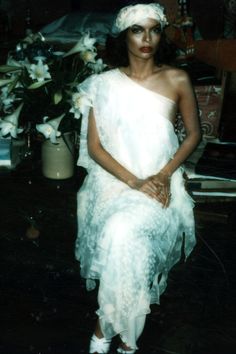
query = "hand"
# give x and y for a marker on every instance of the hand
(156, 187)
(162, 181)
(146, 186)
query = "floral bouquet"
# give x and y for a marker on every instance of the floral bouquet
(39, 87)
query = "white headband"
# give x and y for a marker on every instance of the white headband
(133, 14)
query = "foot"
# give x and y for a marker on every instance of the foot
(124, 349)
(99, 345)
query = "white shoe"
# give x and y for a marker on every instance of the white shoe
(99, 345)
(123, 351)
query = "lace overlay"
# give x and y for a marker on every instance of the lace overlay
(126, 239)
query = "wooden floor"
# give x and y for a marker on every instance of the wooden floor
(45, 308)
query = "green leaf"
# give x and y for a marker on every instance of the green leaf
(4, 82)
(9, 68)
(13, 84)
(57, 97)
(36, 85)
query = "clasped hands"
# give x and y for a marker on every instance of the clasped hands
(156, 187)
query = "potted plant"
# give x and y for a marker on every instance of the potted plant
(40, 89)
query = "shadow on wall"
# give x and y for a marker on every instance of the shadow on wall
(207, 16)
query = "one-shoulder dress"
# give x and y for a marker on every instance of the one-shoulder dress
(127, 240)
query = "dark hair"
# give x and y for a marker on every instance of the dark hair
(117, 54)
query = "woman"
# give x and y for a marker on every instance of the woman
(133, 208)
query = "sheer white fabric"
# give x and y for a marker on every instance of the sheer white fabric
(127, 240)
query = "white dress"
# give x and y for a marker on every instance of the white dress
(126, 239)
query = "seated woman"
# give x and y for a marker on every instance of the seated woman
(133, 210)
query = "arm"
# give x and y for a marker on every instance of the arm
(188, 110)
(105, 160)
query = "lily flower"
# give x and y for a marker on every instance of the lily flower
(9, 125)
(50, 128)
(85, 43)
(6, 98)
(39, 71)
(88, 41)
(98, 66)
(88, 56)
(80, 101)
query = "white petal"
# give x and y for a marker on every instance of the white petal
(44, 129)
(53, 137)
(5, 128)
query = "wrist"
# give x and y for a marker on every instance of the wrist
(134, 183)
(131, 183)
(165, 173)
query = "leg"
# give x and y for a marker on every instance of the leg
(98, 331)
(98, 343)
(124, 348)
(134, 330)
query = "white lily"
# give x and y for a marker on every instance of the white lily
(50, 128)
(39, 71)
(85, 43)
(80, 101)
(88, 56)
(88, 41)
(98, 66)
(6, 98)
(4, 93)
(9, 125)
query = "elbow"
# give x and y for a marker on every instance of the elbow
(93, 150)
(194, 137)
(198, 137)
(196, 134)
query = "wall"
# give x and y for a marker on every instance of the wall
(41, 12)
(112, 5)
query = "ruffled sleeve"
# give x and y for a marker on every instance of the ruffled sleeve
(88, 86)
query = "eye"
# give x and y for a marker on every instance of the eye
(136, 29)
(157, 29)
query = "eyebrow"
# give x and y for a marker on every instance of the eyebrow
(140, 26)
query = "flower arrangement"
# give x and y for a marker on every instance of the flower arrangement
(39, 87)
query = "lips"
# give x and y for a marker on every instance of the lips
(146, 49)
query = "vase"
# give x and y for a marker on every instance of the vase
(58, 160)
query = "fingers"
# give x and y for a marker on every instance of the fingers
(167, 202)
(149, 187)
(164, 196)
(159, 192)
(156, 190)
(164, 200)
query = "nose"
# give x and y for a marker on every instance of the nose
(147, 36)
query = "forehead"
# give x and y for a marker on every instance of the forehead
(147, 22)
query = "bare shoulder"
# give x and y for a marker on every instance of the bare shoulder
(176, 83)
(175, 75)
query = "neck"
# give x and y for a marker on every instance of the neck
(140, 69)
